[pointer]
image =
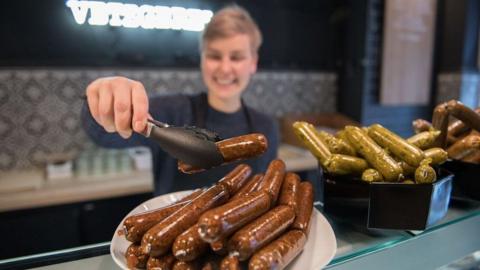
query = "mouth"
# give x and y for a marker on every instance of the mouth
(225, 82)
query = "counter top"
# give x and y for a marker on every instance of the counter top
(23, 190)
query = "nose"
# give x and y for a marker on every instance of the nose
(225, 65)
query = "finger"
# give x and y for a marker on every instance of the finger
(105, 107)
(140, 107)
(122, 107)
(92, 100)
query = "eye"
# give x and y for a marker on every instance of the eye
(237, 57)
(213, 56)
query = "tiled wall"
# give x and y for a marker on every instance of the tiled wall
(39, 109)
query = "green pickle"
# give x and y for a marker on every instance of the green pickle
(407, 169)
(336, 145)
(425, 174)
(374, 154)
(437, 154)
(399, 147)
(307, 133)
(372, 175)
(408, 181)
(342, 164)
(425, 139)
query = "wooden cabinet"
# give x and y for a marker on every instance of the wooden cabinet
(52, 228)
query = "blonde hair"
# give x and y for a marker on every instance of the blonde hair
(229, 21)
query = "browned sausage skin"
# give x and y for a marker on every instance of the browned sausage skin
(164, 262)
(251, 186)
(188, 246)
(279, 253)
(304, 208)
(220, 246)
(440, 122)
(464, 147)
(261, 231)
(235, 179)
(273, 179)
(223, 220)
(191, 265)
(135, 226)
(462, 112)
(230, 263)
(135, 258)
(289, 192)
(421, 125)
(234, 149)
(159, 239)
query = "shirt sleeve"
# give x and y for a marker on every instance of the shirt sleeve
(169, 109)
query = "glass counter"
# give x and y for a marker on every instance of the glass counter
(452, 238)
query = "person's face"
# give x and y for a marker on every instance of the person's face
(227, 65)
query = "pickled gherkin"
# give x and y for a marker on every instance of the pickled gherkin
(342, 164)
(308, 135)
(407, 152)
(374, 154)
(424, 140)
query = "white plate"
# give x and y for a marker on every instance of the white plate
(318, 252)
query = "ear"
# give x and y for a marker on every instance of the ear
(253, 68)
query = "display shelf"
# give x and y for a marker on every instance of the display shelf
(452, 238)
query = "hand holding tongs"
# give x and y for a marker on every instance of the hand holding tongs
(192, 145)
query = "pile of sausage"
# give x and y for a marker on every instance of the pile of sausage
(260, 220)
(374, 153)
(460, 136)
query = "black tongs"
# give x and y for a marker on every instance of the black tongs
(192, 145)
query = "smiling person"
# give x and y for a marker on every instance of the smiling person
(117, 107)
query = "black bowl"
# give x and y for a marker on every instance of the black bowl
(466, 184)
(386, 205)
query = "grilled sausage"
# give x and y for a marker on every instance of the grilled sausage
(188, 245)
(464, 147)
(374, 154)
(164, 262)
(261, 231)
(308, 135)
(456, 128)
(425, 139)
(421, 125)
(220, 246)
(339, 164)
(407, 152)
(473, 157)
(135, 258)
(304, 208)
(250, 186)
(462, 112)
(191, 265)
(192, 195)
(223, 220)
(279, 253)
(289, 193)
(235, 179)
(135, 226)
(230, 263)
(273, 179)
(234, 149)
(440, 122)
(159, 239)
